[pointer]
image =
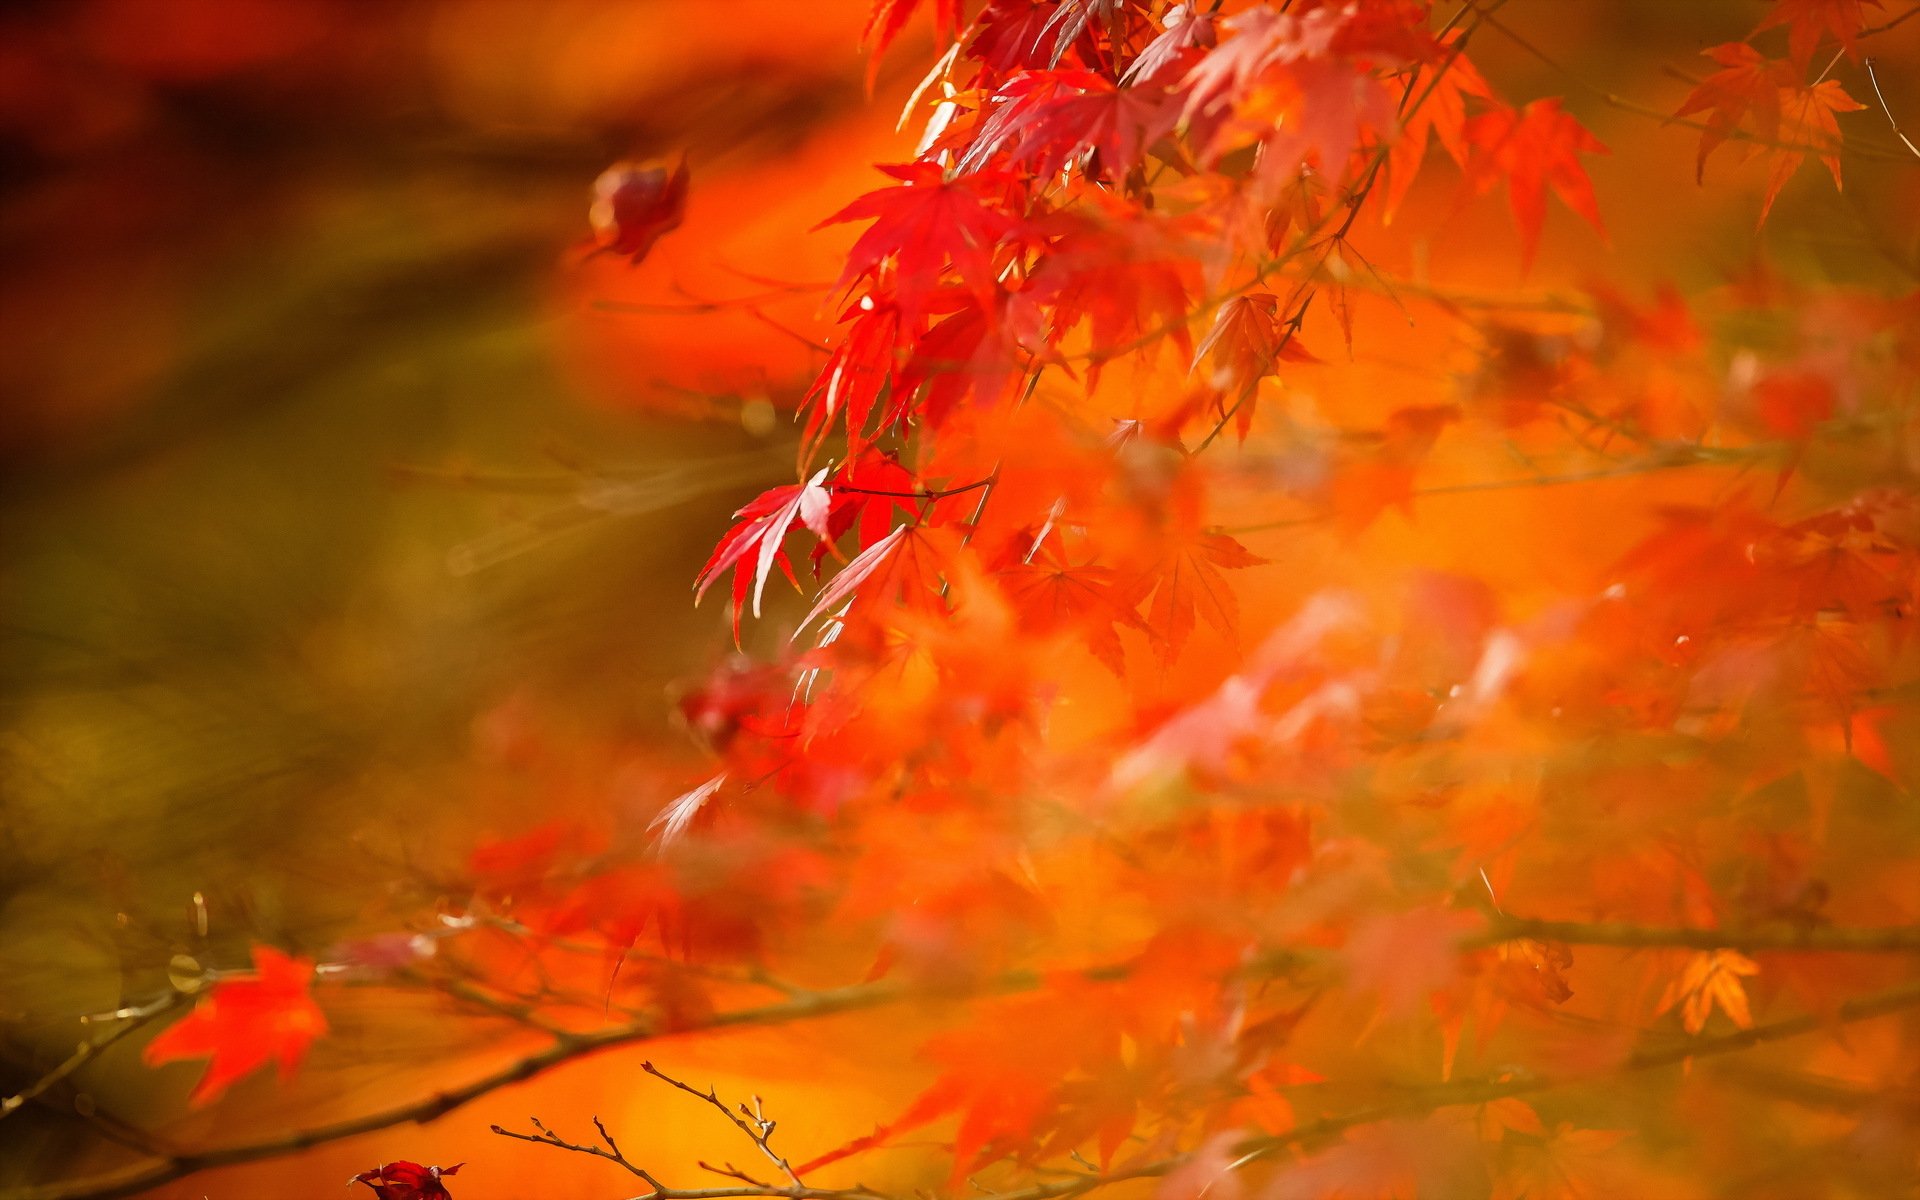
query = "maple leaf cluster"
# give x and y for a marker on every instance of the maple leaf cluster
(1271, 820)
(1782, 106)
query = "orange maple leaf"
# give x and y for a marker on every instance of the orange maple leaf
(1051, 593)
(922, 226)
(1533, 149)
(1566, 1164)
(752, 548)
(1745, 89)
(1442, 113)
(1711, 978)
(1382, 478)
(1807, 126)
(1247, 343)
(888, 17)
(1186, 582)
(1807, 21)
(1045, 120)
(244, 1022)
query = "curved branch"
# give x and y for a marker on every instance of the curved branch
(565, 1048)
(130, 1020)
(1484, 1090)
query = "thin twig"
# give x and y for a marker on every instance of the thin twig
(129, 1020)
(752, 1122)
(1874, 79)
(611, 1152)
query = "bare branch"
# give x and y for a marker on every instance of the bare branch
(129, 1019)
(750, 1121)
(729, 1171)
(611, 1152)
(755, 1125)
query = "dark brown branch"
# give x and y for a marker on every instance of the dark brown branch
(1417, 1102)
(1896, 939)
(1891, 23)
(1412, 1102)
(130, 1019)
(923, 494)
(564, 1049)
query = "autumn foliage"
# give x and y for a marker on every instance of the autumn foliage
(1267, 721)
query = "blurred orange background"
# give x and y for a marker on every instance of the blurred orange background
(339, 518)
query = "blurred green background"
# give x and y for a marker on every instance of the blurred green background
(312, 519)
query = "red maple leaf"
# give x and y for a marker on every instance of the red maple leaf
(1012, 36)
(967, 353)
(1044, 120)
(1248, 342)
(1792, 404)
(1807, 21)
(867, 492)
(407, 1181)
(1186, 582)
(244, 1022)
(752, 548)
(1074, 17)
(634, 205)
(1745, 89)
(1051, 593)
(1119, 275)
(1533, 149)
(855, 373)
(901, 570)
(922, 226)
(1263, 38)
(1807, 126)
(1441, 91)
(1187, 35)
(888, 17)
(1281, 82)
